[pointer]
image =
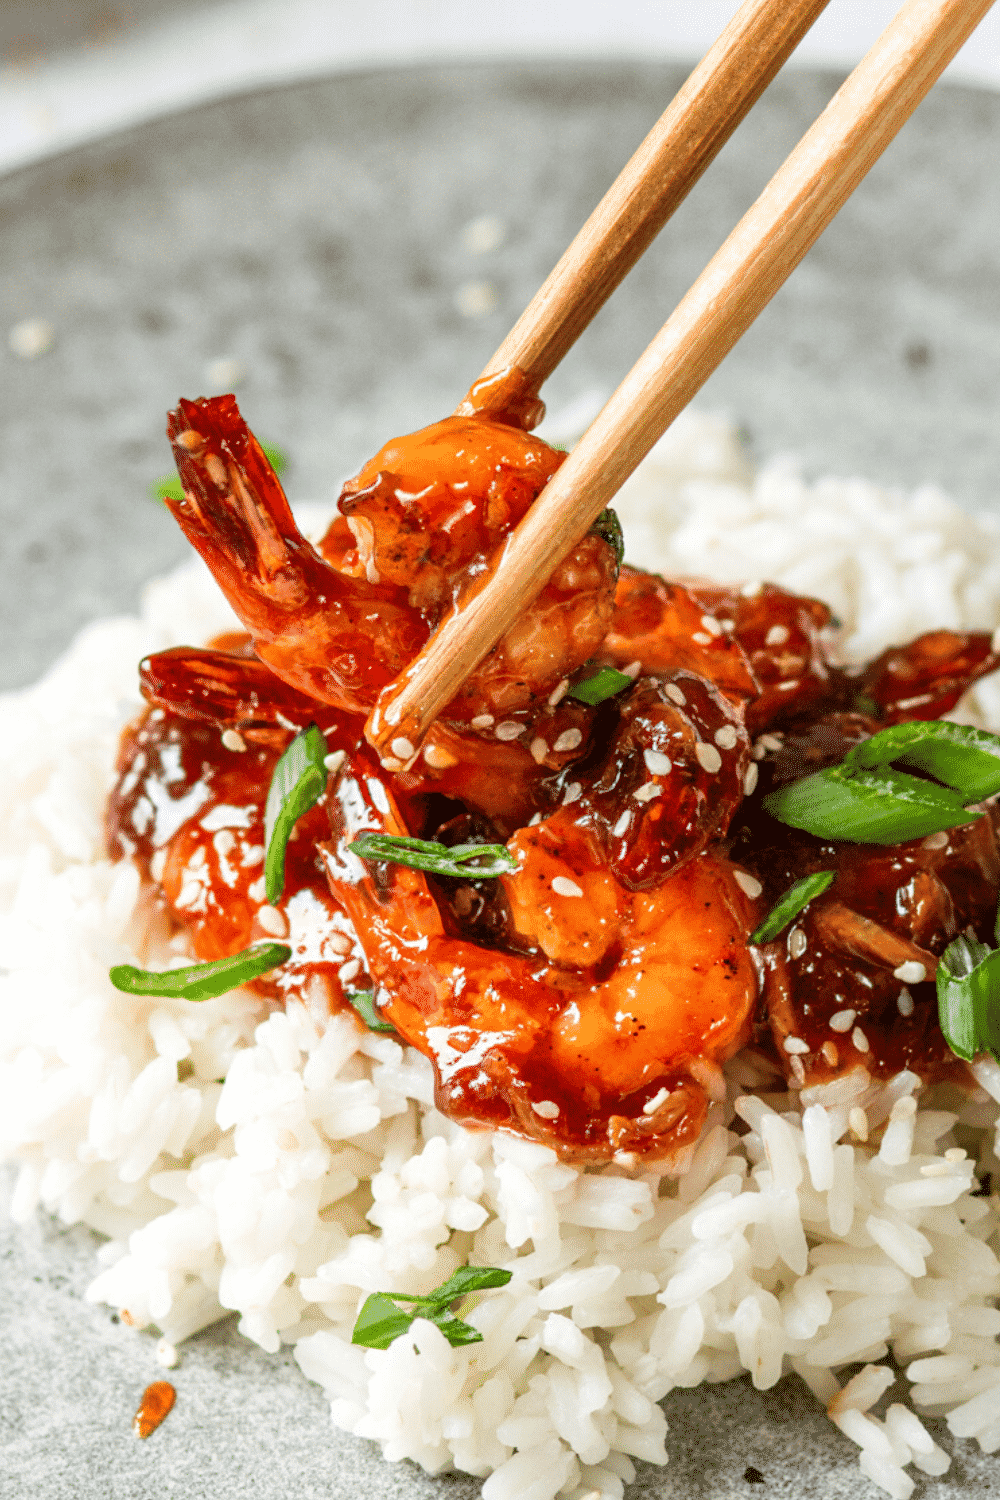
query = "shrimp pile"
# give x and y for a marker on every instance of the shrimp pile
(590, 998)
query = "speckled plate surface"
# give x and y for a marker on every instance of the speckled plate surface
(315, 234)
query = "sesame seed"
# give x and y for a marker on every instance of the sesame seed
(657, 763)
(830, 1052)
(776, 636)
(621, 825)
(904, 1002)
(711, 624)
(157, 864)
(910, 973)
(751, 590)
(558, 693)
(438, 758)
(272, 921)
(573, 793)
(349, 971)
(483, 721)
(858, 1121)
(842, 1020)
(339, 943)
(675, 695)
(935, 841)
(702, 637)
(189, 440)
(547, 1108)
(860, 1040)
(216, 470)
(795, 1044)
(539, 750)
(747, 884)
(797, 942)
(652, 1105)
(771, 741)
(334, 761)
(726, 737)
(632, 670)
(390, 763)
(563, 886)
(233, 740)
(509, 730)
(224, 842)
(402, 747)
(798, 1071)
(708, 757)
(570, 739)
(750, 780)
(647, 792)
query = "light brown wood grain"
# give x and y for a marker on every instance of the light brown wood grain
(686, 138)
(743, 276)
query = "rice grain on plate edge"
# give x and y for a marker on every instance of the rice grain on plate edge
(308, 1168)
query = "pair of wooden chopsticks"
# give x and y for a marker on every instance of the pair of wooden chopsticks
(762, 251)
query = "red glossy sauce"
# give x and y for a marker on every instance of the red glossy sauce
(590, 998)
(156, 1404)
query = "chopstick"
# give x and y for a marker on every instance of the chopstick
(762, 251)
(688, 136)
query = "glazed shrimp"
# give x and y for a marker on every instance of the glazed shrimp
(340, 634)
(598, 1026)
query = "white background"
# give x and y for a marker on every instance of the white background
(201, 51)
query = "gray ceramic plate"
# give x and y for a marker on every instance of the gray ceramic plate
(315, 233)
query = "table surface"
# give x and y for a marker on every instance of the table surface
(316, 234)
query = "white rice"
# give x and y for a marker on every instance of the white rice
(317, 1171)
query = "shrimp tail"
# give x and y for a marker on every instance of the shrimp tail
(232, 690)
(338, 639)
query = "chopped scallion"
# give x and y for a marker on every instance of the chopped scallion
(865, 800)
(609, 528)
(968, 993)
(468, 861)
(202, 981)
(363, 1001)
(795, 899)
(380, 1320)
(603, 685)
(297, 784)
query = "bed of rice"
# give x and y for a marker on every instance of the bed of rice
(285, 1166)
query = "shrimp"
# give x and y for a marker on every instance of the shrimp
(340, 634)
(189, 810)
(596, 1023)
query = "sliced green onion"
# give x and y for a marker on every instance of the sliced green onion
(169, 487)
(609, 528)
(965, 759)
(604, 684)
(795, 899)
(380, 1320)
(468, 861)
(363, 1001)
(968, 992)
(867, 807)
(297, 784)
(202, 981)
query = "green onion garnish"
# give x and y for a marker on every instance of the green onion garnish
(795, 899)
(864, 801)
(169, 487)
(609, 527)
(363, 1001)
(202, 981)
(604, 684)
(462, 861)
(380, 1320)
(968, 992)
(297, 784)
